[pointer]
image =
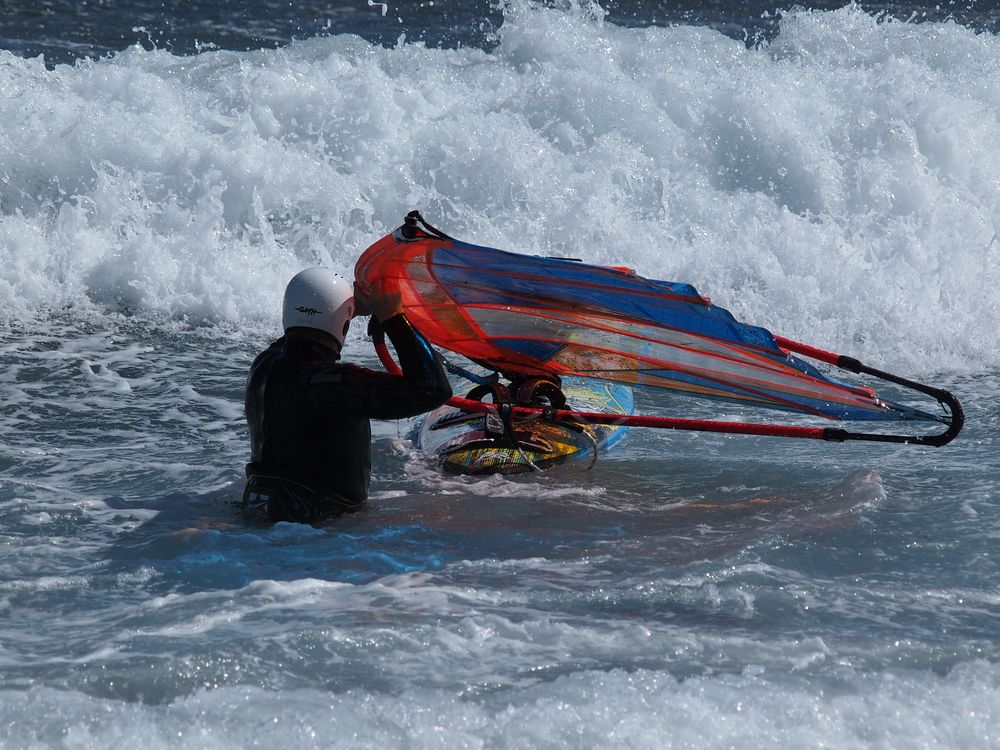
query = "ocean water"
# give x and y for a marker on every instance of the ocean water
(833, 178)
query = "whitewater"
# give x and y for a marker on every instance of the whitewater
(837, 184)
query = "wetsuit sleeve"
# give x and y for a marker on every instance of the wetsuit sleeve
(423, 385)
(349, 391)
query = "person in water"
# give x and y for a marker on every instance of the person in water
(308, 412)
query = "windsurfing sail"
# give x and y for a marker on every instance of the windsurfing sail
(532, 316)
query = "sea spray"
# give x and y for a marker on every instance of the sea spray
(834, 184)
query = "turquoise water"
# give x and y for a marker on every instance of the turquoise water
(836, 184)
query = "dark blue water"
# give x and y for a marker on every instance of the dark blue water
(64, 30)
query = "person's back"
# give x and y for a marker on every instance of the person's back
(309, 414)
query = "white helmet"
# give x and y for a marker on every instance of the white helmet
(319, 298)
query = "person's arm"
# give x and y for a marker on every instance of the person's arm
(359, 392)
(422, 386)
(347, 390)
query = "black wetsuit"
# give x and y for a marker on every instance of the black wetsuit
(310, 435)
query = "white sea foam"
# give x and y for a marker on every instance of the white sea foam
(837, 184)
(616, 709)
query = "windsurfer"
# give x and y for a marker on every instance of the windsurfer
(308, 413)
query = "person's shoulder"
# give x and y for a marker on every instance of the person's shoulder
(274, 345)
(273, 348)
(340, 372)
(355, 370)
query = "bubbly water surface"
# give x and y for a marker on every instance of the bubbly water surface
(836, 184)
